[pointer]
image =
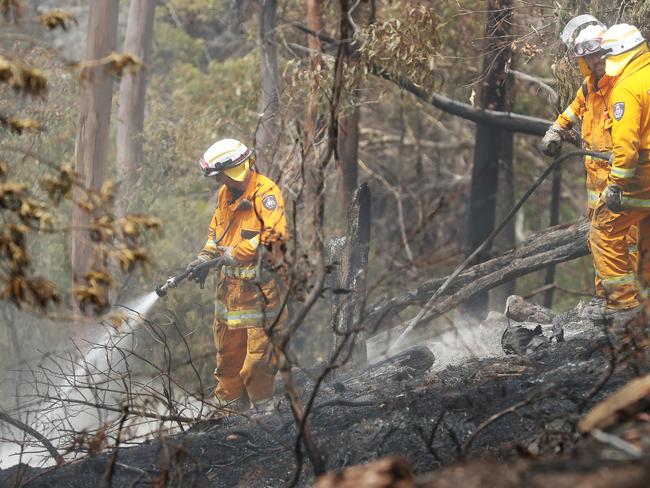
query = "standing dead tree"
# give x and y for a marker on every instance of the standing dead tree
(349, 287)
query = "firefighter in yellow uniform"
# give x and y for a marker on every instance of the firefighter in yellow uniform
(249, 230)
(590, 108)
(625, 202)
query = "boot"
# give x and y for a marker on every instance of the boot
(264, 407)
(232, 407)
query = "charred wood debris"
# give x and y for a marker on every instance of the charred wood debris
(566, 403)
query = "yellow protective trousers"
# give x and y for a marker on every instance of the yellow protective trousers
(608, 237)
(597, 174)
(246, 314)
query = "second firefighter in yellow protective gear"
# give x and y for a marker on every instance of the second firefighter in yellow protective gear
(625, 202)
(589, 107)
(249, 218)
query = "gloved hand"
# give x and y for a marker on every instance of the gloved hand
(612, 195)
(201, 274)
(552, 141)
(226, 256)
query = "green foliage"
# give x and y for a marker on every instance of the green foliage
(406, 45)
(173, 46)
(190, 11)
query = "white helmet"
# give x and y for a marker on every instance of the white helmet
(589, 40)
(621, 38)
(575, 26)
(229, 156)
(622, 43)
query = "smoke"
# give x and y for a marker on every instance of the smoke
(451, 343)
(70, 380)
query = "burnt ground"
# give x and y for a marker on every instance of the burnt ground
(426, 417)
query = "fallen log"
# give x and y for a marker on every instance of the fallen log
(551, 246)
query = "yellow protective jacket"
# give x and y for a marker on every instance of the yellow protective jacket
(590, 107)
(244, 299)
(629, 105)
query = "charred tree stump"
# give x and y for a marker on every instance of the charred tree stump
(348, 282)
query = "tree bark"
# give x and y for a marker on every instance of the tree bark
(314, 23)
(348, 150)
(267, 130)
(91, 144)
(130, 115)
(488, 146)
(554, 245)
(351, 279)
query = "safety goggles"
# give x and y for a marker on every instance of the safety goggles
(216, 167)
(587, 47)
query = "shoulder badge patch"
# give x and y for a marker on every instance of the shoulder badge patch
(270, 202)
(619, 110)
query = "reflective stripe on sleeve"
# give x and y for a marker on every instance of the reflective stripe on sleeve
(635, 202)
(568, 113)
(210, 245)
(593, 197)
(623, 172)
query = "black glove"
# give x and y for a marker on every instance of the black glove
(198, 275)
(613, 198)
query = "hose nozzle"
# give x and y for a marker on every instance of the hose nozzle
(174, 281)
(161, 290)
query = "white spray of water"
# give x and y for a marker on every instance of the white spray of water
(465, 339)
(88, 370)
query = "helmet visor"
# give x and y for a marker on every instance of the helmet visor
(587, 47)
(217, 166)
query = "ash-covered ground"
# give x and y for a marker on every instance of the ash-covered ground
(430, 413)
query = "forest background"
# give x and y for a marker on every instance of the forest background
(206, 79)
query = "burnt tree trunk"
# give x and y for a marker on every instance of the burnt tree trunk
(267, 129)
(487, 149)
(348, 137)
(130, 115)
(349, 281)
(91, 144)
(348, 149)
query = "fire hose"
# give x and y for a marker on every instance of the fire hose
(488, 240)
(174, 281)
